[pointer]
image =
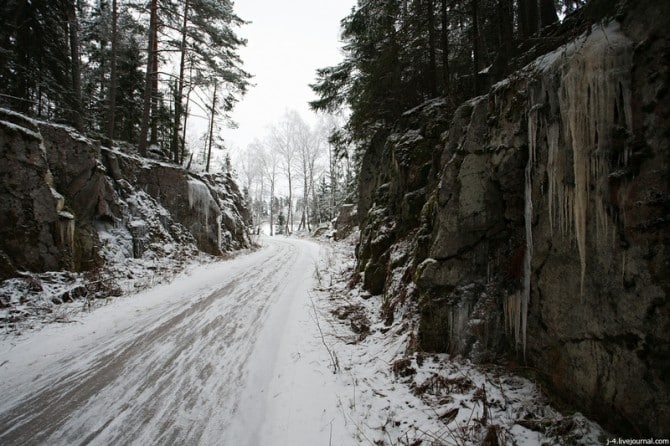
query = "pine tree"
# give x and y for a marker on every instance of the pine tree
(209, 44)
(96, 35)
(112, 78)
(75, 65)
(152, 62)
(281, 221)
(393, 55)
(130, 90)
(39, 66)
(113, 81)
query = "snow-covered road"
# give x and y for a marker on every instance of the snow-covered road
(207, 359)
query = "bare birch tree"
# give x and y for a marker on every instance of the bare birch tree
(269, 160)
(282, 137)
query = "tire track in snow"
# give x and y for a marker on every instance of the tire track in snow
(175, 379)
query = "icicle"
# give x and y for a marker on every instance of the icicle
(66, 230)
(594, 95)
(512, 313)
(219, 236)
(60, 200)
(201, 200)
(581, 199)
(528, 254)
(555, 176)
(521, 311)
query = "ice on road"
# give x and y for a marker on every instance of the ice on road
(217, 357)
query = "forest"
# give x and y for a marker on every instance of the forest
(398, 54)
(123, 70)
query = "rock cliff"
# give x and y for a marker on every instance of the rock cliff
(533, 222)
(70, 204)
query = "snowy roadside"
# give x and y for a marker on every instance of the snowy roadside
(33, 300)
(387, 396)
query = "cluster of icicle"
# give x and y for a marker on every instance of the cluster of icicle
(65, 222)
(200, 199)
(574, 115)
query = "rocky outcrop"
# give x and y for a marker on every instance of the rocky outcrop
(211, 207)
(70, 204)
(540, 223)
(345, 222)
(28, 196)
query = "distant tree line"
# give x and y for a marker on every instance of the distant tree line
(295, 177)
(126, 70)
(399, 53)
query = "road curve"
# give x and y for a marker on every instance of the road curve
(171, 371)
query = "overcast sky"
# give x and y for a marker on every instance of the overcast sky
(287, 42)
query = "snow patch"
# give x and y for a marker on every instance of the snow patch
(21, 129)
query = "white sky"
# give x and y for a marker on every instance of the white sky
(287, 42)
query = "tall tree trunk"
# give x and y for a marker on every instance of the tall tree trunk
(305, 194)
(146, 112)
(211, 128)
(432, 63)
(77, 119)
(534, 15)
(314, 207)
(154, 86)
(260, 207)
(317, 209)
(475, 46)
(445, 46)
(272, 206)
(504, 39)
(182, 149)
(547, 13)
(174, 145)
(333, 181)
(527, 18)
(289, 218)
(182, 142)
(113, 80)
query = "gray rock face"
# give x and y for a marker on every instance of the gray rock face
(346, 221)
(62, 192)
(544, 230)
(28, 197)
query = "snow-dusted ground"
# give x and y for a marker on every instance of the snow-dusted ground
(269, 348)
(167, 366)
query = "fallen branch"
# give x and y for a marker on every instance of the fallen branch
(333, 358)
